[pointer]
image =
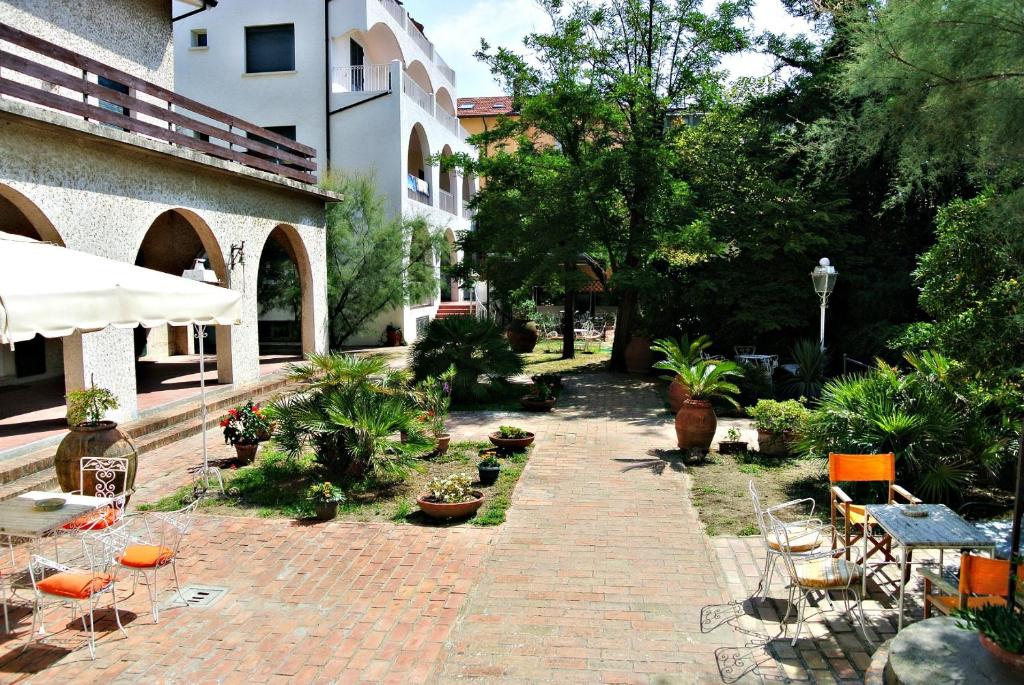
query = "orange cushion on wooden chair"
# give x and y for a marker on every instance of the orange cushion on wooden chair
(74, 584)
(951, 602)
(96, 520)
(145, 556)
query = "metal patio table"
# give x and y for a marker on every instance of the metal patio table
(941, 529)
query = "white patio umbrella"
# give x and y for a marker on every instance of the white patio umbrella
(53, 291)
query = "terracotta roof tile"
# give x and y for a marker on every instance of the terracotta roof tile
(485, 106)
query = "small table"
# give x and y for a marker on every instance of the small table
(19, 517)
(937, 651)
(941, 529)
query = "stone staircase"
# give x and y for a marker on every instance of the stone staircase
(456, 309)
(34, 470)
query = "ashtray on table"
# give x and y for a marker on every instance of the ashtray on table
(914, 512)
(50, 503)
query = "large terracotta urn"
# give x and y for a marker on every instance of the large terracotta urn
(695, 425)
(677, 394)
(523, 336)
(101, 439)
(639, 355)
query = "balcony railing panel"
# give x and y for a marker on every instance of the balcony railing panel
(368, 78)
(420, 40)
(446, 201)
(416, 92)
(395, 10)
(146, 108)
(418, 196)
(450, 121)
(448, 72)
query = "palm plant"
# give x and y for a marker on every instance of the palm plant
(679, 355)
(708, 380)
(809, 376)
(349, 412)
(476, 347)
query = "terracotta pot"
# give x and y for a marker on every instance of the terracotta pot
(511, 444)
(246, 453)
(677, 394)
(488, 474)
(394, 337)
(531, 403)
(1014, 662)
(523, 336)
(732, 447)
(695, 425)
(443, 441)
(439, 510)
(102, 439)
(772, 444)
(325, 511)
(638, 355)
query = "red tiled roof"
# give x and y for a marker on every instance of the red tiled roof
(485, 106)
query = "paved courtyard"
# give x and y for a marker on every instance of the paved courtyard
(602, 574)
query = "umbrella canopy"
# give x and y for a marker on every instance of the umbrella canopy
(53, 291)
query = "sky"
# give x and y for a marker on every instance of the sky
(456, 27)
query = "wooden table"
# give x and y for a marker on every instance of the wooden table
(941, 529)
(20, 519)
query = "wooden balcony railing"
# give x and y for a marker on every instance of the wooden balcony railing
(72, 83)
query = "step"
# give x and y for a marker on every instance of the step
(34, 470)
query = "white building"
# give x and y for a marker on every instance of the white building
(355, 79)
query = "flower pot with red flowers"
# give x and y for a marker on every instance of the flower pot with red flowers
(433, 395)
(325, 498)
(696, 421)
(676, 356)
(244, 427)
(511, 438)
(450, 498)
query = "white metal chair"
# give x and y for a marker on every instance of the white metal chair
(825, 571)
(744, 349)
(806, 534)
(102, 477)
(79, 584)
(154, 546)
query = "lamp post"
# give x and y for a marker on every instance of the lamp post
(824, 279)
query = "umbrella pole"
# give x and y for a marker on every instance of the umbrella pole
(1018, 511)
(201, 334)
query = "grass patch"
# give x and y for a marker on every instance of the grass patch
(723, 501)
(547, 358)
(275, 487)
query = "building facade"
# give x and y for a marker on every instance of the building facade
(99, 153)
(358, 81)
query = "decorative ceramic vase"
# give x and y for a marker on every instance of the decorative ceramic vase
(488, 474)
(639, 355)
(443, 441)
(677, 394)
(523, 336)
(440, 510)
(101, 439)
(695, 425)
(245, 453)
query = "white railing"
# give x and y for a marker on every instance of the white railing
(448, 72)
(419, 197)
(368, 78)
(467, 211)
(420, 96)
(446, 201)
(450, 121)
(420, 39)
(395, 10)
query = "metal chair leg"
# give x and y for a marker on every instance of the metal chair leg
(802, 598)
(769, 576)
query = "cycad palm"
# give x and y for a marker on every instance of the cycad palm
(708, 380)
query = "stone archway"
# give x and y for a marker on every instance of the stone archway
(418, 166)
(284, 294)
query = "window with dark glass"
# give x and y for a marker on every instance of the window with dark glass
(117, 87)
(286, 131)
(269, 48)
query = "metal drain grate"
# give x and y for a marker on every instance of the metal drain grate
(197, 595)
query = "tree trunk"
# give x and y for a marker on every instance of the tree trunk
(569, 325)
(625, 320)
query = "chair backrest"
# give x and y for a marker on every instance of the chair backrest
(103, 476)
(759, 512)
(167, 529)
(783, 547)
(984, 576)
(859, 468)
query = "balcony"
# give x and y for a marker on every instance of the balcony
(417, 189)
(402, 17)
(446, 202)
(369, 78)
(60, 79)
(417, 94)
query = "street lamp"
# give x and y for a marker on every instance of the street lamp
(824, 279)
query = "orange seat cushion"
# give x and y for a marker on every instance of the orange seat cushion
(75, 584)
(95, 520)
(950, 602)
(145, 556)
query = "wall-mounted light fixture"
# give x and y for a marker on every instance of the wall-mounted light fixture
(237, 256)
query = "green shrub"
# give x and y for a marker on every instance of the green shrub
(811, 362)
(779, 417)
(511, 432)
(997, 623)
(88, 406)
(476, 347)
(708, 380)
(451, 490)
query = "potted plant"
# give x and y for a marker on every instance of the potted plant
(489, 467)
(696, 421)
(433, 395)
(638, 352)
(732, 443)
(523, 333)
(450, 497)
(778, 424)
(393, 335)
(1000, 631)
(325, 498)
(511, 438)
(678, 355)
(91, 435)
(543, 393)
(244, 427)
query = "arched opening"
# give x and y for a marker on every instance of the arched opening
(468, 191)
(284, 297)
(418, 166)
(32, 385)
(418, 73)
(380, 45)
(167, 363)
(446, 184)
(361, 59)
(444, 100)
(449, 256)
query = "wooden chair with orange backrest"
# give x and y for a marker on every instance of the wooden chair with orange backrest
(862, 468)
(982, 581)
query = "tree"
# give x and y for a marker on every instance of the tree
(374, 262)
(607, 85)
